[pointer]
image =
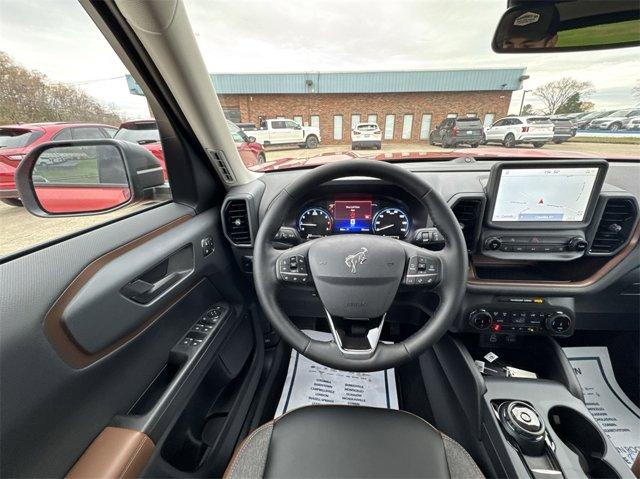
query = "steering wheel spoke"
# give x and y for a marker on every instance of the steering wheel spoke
(356, 338)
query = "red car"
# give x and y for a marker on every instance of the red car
(17, 140)
(145, 133)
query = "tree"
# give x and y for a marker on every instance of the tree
(27, 96)
(574, 105)
(554, 94)
(527, 110)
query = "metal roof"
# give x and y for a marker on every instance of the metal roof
(370, 82)
(506, 79)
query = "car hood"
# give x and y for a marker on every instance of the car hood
(323, 158)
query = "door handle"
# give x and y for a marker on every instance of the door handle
(144, 292)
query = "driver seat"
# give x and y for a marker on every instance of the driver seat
(345, 441)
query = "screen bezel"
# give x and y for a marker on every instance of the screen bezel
(494, 184)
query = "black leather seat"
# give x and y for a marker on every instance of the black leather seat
(342, 441)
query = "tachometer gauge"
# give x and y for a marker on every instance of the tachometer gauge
(391, 222)
(315, 222)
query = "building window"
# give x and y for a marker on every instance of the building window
(407, 123)
(372, 119)
(355, 119)
(315, 121)
(337, 127)
(297, 119)
(488, 119)
(425, 126)
(281, 117)
(389, 124)
(472, 115)
(452, 115)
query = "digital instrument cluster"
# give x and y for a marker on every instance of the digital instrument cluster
(373, 216)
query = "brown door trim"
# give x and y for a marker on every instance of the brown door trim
(115, 453)
(54, 327)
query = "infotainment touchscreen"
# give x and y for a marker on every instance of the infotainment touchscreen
(544, 194)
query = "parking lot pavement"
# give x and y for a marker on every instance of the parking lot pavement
(598, 149)
(19, 229)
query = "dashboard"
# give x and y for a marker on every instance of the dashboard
(553, 245)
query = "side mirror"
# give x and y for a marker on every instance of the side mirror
(86, 177)
(251, 139)
(535, 26)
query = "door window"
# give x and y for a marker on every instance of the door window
(373, 118)
(389, 125)
(355, 119)
(315, 121)
(425, 126)
(87, 133)
(297, 119)
(407, 124)
(278, 125)
(337, 127)
(488, 119)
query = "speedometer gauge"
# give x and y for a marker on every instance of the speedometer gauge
(314, 222)
(391, 222)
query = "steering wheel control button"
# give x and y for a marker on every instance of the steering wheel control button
(293, 269)
(421, 271)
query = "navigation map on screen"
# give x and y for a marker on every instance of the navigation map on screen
(544, 194)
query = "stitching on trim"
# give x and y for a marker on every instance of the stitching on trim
(135, 454)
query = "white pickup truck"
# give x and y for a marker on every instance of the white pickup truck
(285, 132)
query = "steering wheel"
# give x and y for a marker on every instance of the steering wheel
(357, 276)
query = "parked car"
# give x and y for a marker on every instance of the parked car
(615, 121)
(17, 140)
(563, 129)
(452, 132)
(583, 122)
(366, 135)
(634, 124)
(285, 132)
(145, 133)
(515, 130)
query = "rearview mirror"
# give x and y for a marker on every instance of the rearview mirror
(535, 26)
(85, 177)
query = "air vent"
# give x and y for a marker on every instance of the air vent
(468, 212)
(615, 225)
(220, 162)
(236, 217)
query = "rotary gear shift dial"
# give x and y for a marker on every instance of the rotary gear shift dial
(524, 425)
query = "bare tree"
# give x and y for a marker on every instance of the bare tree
(556, 93)
(28, 96)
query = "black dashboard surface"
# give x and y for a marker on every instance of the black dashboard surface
(609, 294)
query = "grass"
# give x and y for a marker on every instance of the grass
(606, 139)
(608, 34)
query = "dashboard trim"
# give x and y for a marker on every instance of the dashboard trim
(473, 280)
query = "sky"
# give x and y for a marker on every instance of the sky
(57, 38)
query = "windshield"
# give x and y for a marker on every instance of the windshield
(310, 68)
(620, 113)
(17, 138)
(143, 134)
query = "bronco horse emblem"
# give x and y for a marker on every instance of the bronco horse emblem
(353, 260)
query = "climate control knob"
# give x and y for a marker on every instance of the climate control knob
(493, 243)
(480, 319)
(559, 323)
(577, 244)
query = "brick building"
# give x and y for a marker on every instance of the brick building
(406, 105)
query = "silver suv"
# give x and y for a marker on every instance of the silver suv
(616, 120)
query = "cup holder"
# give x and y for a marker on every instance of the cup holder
(584, 439)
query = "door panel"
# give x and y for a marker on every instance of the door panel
(54, 404)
